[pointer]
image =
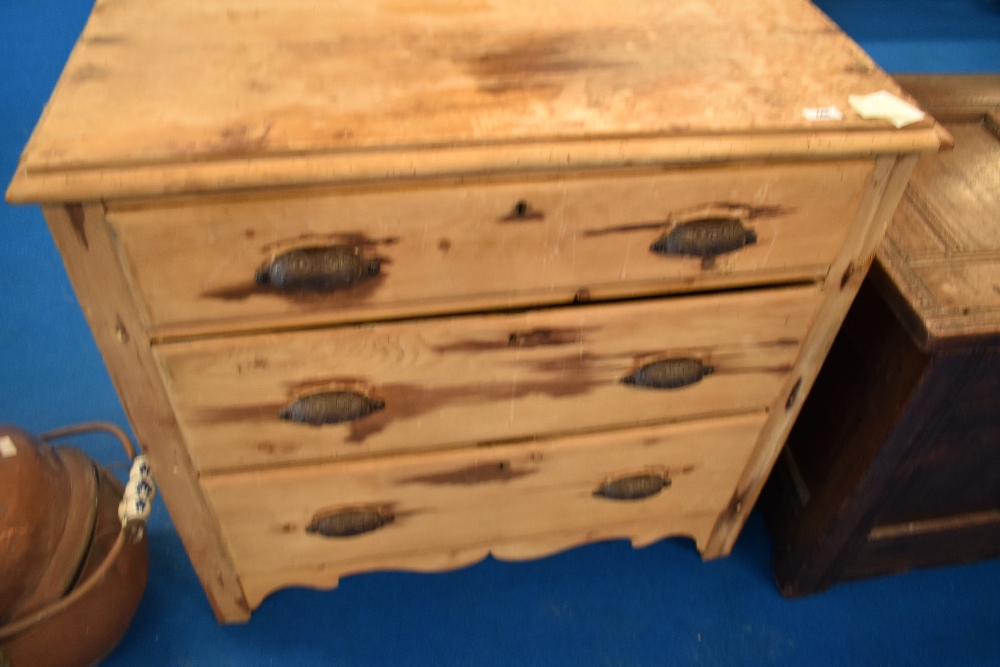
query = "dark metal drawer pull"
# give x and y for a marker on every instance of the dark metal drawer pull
(322, 269)
(349, 522)
(331, 407)
(635, 487)
(705, 238)
(669, 374)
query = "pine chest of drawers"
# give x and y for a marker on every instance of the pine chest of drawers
(400, 284)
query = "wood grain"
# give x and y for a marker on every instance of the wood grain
(953, 94)
(459, 381)
(816, 498)
(457, 163)
(193, 263)
(896, 453)
(846, 275)
(82, 236)
(539, 499)
(942, 252)
(169, 81)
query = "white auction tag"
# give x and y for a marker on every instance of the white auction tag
(822, 113)
(883, 105)
(7, 447)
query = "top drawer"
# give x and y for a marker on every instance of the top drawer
(237, 264)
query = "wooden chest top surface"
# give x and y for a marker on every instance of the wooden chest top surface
(942, 251)
(159, 83)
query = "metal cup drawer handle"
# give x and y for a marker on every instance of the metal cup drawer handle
(318, 269)
(633, 487)
(705, 238)
(350, 521)
(669, 373)
(330, 407)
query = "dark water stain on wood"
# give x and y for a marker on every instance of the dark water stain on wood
(79, 223)
(734, 209)
(240, 138)
(625, 229)
(238, 413)
(479, 473)
(858, 68)
(539, 337)
(531, 63)
(88, 72)
(352, 294)
(780, 369)
(313, 386)
(579, 364)
(357, 240)
(107, 40)
(530, 216)
(561, 377)
(405, 402)
(271, 448)
(722, 362)
(779, 342)
(748, 211)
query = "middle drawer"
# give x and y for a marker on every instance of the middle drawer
(401, 386)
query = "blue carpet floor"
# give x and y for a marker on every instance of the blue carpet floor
(604, 604)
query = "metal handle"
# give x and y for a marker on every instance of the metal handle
(323, 269)
(330, 407)
(351, 521)
(705, 238)
(634, 487)
(669, 374)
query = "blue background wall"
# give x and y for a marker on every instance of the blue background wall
(604, 604)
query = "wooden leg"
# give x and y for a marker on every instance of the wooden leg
(89, 253)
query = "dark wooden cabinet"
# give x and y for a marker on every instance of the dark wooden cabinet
(894, 461)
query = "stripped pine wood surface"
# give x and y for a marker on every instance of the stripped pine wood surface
(167, 81)
(193, 264)
(83, 239)
(841, 286)
(459, 381)
(446, 510)
(456, 163)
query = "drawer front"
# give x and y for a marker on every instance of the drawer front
(357, 390)
(309, 526)
(252, 263)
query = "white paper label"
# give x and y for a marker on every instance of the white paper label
(7, 448)
(883, 105)
(822, 113)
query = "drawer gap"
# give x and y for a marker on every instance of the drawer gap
(166, 339)
(482, 445)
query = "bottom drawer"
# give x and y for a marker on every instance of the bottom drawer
(439, 511)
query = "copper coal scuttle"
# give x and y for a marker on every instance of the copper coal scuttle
(73, 553)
